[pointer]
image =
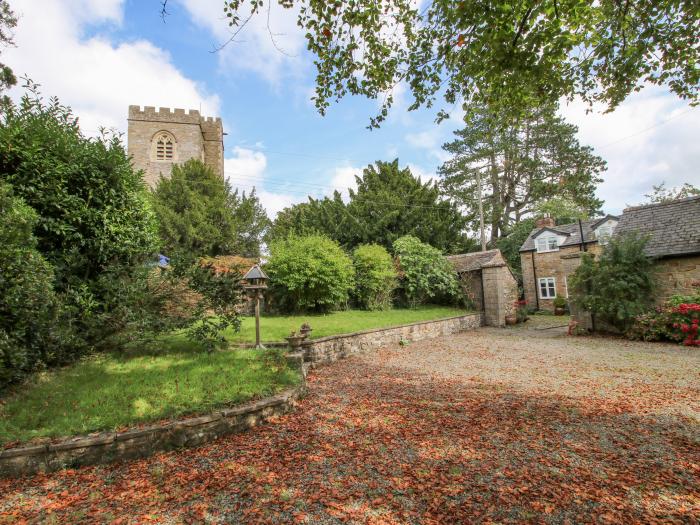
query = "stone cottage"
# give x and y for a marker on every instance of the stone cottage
(157, 139)
(673, 232)
(551, 253)
(488, 282)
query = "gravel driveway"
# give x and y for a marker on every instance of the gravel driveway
(517, 425)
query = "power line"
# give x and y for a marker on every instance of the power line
(647, 129)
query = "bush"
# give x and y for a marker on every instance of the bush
(677, 320)
(309, 273)
(425, 274)
(93, 214)
(375, 277)
(618, 286)
(32, 334)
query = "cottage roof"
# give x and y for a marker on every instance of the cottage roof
(570, 231)
(468, 262)
(673, 228)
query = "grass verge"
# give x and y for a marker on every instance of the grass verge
(110, 392)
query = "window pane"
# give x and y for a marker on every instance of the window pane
(552, 243)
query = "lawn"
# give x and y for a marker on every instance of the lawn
(276, 328)
(107, 392)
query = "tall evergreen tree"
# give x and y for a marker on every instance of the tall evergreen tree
(389, 202)
(199, 213)
(522, 163)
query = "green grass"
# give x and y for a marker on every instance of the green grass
(276, 328)
(108, 392)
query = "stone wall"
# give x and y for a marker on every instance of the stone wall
(329, 349)
(500, 294)
(560, 264)
(196, 137)
(106, 447)
(677, 276)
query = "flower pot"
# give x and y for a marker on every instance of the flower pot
(511, 319)
(559, 310)
(295, 341)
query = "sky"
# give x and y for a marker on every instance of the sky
(100, 56)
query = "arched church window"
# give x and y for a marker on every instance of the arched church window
(164, 147)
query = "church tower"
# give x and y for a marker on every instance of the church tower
(159, 139)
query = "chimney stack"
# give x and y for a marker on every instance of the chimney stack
(545, 222)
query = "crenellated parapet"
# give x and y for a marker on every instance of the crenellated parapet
(178, 115)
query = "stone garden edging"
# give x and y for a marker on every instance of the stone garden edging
(105, 447)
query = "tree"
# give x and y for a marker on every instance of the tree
(199, 213)
(660, 193)
(618, 286)
(8, 21)
(510, 245)
(389, 202)
(375, 277)
(522, 164)
(309, 273)
(251, 223)
(425, 275)
(508, 55)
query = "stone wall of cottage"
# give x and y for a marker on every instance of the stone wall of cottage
(500, 294)
(560, 264)
(676, 276)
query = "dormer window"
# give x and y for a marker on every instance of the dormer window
(164, 146)
(547, 243)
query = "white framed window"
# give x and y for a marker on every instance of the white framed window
(164, 146)
(548, 288)
(547, 243)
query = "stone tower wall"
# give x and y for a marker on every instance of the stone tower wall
(195, 138)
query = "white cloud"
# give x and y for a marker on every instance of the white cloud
(343, 178)
(425, 175)
(246, 170)
(98, 78)
(650, 138)
(269, 45)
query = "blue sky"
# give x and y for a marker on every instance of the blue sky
(99, 56)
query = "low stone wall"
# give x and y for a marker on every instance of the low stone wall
(141, 442)
(332, 348)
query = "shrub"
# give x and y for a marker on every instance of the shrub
(677, 320)
(93, 214)
(375, 277)
(618, 286)
(31, 332)
(309, 273)
(559, 302)
(424, 273)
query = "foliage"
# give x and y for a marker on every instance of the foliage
(375, 277)
(388, 203)
(500, 54)
(559, 302)
(425, 274)
(32, 334)
(8, 21)
(113, 391)
(199, 213)
(93, 214)
(618, 286)
(510, 245)
(525, 164)
(277, 327)
(564, 209)
(660, 193)
(676, 320)
(309, 273)
(521, 310)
